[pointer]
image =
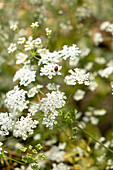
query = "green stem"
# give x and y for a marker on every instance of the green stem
(71, 95)
(13, 160)
(93, 138)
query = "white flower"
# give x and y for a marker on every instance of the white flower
(48, 31)
(98, 38)
(100, 60)
(35, 25)
(85, 52)
(72, 52)
(12, 48)
(93, 84)
(60, 166)
(52, 86)
(24, 127)
(100, 112)
(14, 27)
(112, 86)
(37, 43)
(15, 99)
(26, 75)
(53, 101)
(106, 72)
(47, 56)
(6, 123)
(104, 25)
(55, 154)
(34, 90)
(79, 94)
(1, 147)
(37, 137)
(30, 44)
(50, 71)
(77, 76)
(21, 58)
(21, 40)
(33, 109)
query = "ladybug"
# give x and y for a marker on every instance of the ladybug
(56, 68)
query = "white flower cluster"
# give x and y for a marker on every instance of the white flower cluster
(15, 99)
(34, 90)
(26, 75)
(6, 123)
(53, 101)
(72, 52)
(106, 72)
(21, 58)
(49, 70)
(112, 86)
(107, 26)
(47, 56)
(21, 40)
(12, 48)
(31, 44)
(33, 109)
(93, 84)
(79, 94)
(98, 38)
(77, 76)
(52, 86)
(1, 147)
(55, 154)
(60, 166)
(48, 31)
(90, 115)
(49, 59)
(24, 126)
(35, 25)
(14, 27)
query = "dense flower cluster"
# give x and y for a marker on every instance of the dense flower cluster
(15, 99)
(77, 76)
(53, 101)
(23, 126)
(26, 75)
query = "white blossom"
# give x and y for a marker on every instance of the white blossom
(53, 101)
(49, 70)
(105, 72)
(33, 109)
(48, 31)
(79, 94)
(15, 99)
(33, 90)
(55, 154)
(72, 52)
(104, 25)
(60, 166)
(24, 127)
(52, 86)
(21, 40)
(26, 75)
(47, 56)
(21, 58)
(12, 48)
(77, 76)
(35, 25)
(98, 38)
(14, 27)
(6, 123)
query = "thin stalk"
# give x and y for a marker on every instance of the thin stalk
(13, 160)
(93, 138)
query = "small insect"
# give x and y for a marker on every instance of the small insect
(56, 68)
